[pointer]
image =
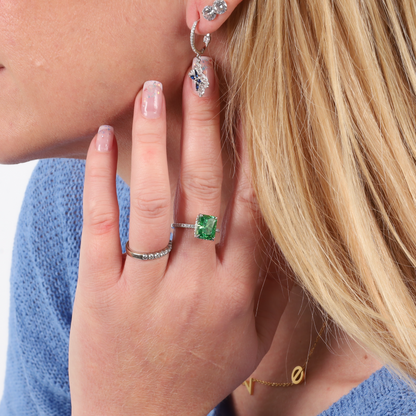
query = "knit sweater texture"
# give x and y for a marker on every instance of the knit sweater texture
(42, 290)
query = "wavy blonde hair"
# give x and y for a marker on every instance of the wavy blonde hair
(326, 91)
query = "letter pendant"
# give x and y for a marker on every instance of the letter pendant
(250, 385)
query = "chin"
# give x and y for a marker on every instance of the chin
(11, 154)
(14, 158)
(18, 150)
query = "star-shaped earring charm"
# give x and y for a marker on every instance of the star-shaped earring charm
(200, 79)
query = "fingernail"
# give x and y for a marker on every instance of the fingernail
(207, 65)
(105, 137)
(152, 99)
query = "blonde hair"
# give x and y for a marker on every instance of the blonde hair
(326, 94)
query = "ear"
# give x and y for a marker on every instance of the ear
(194, 12)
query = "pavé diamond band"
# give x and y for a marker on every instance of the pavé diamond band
(204, 228)
(151, 256)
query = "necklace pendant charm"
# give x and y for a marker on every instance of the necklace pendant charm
(197, 74)
(298, 375)
(250, 385)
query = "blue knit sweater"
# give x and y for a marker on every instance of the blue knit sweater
(43, 282)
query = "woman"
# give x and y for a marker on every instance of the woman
(312, 181)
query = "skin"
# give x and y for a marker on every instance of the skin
(78, 65)
(66, 72)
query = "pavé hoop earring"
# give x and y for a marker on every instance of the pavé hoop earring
(196, 73)
(211, 12)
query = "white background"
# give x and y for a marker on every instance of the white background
(13, 182)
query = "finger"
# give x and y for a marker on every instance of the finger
(272, 295)
(150, 207)
(201, 164)
(101, 255)
(249, 254)
(239, 250)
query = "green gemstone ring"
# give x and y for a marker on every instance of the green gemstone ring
(205, 227)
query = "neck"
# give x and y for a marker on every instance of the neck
(336, 365)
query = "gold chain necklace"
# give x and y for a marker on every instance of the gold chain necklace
(298, 373)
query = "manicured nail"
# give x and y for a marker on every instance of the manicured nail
(207, 65)
(152, 99)
(105, 137)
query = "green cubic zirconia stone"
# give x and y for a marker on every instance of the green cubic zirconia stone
(206, 226)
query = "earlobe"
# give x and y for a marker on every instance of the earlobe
(211, 13)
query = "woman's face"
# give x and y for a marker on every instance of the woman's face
(71, 66)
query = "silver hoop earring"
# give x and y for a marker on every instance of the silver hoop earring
(196, 73)
(211, 12)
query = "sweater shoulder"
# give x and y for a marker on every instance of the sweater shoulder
(48, 229)
(50, 220)
(55, 180)
(42, 286)
(383, 393)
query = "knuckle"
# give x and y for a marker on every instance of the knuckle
(206, 187)
(149, 137)
(246, 200)
(151, 205)
(237, 296)
(98, 174)
(187, 301)
(101, 222)
(205, 114)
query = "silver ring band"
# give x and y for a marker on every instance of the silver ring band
(150, 256)
(182, 225)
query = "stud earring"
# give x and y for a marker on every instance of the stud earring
(211, 12)
(197, 72)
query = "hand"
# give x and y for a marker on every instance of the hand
(176, 335)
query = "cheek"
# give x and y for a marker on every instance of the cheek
(81, 73)
(43, 107)
(75, 93)
(59, 84)
(77, 66)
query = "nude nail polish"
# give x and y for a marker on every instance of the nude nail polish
(105, 137)
(152, 98)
